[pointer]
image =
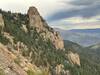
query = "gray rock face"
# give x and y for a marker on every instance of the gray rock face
(36, 21)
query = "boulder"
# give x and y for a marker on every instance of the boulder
(74, 58)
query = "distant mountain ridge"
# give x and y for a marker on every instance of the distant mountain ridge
(97, 30)
(85, 37)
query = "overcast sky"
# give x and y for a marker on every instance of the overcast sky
(65, 14)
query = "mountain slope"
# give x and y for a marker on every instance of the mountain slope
(30, 36)
(36, 49)
(12, 63)
(89, 57)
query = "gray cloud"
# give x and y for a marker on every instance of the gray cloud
(92, 9)
(84, 2)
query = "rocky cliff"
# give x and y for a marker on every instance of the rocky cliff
(36, 21)
(32, 47)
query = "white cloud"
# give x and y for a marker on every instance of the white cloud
(77, 23)
(45, 7)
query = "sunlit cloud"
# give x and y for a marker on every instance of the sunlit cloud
(80, 26)
(81, 20)
(77, 23)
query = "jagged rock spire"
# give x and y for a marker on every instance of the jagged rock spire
(34, 18)
(32, 11)
(36, 21)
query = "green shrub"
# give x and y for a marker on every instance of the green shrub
(17, 60)
(2, 72)
(30, 72)
(3, 40)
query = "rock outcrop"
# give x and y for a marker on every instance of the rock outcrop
(7, 62)
(74, 58)
(36, 21)
(27, 42)
(60, 70)
(13, 64)
(1, 23)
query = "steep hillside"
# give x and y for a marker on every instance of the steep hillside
(12, 63)
(29, 36)
(89, 57)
